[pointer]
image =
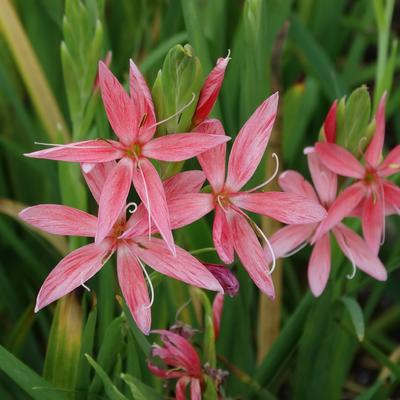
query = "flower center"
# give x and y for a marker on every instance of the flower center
(222, 199)
(134, 151)
(118, 230)
(370, 176)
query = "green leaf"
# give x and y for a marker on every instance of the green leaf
(356, 315)
(139, 390)
(112, 392)
(64, 344)
(27, 379)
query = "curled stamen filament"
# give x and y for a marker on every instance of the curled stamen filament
(175, 114)
(274, 155)
(297, 249)
(149, 282)
(220, 203)
(259, 230)
(181, 308)
(353, 272)
(382, 199)
(360, 149)
(135, 207)
(83, 284)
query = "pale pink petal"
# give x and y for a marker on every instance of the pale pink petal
(374, 149)
(392, 197)
(181, 146)
(184, 182)
(164, 373)
(213, 161)
(391, 164)
(293, 182)
(180, 390)
(373, 221)
(319, 265)
(120, 109)
(183, 208)
(88, 151)
(183, 266)
(72, 271)
(210, 90)
(143, 104)
(250, 252)
(113, 197)
(217, 308)
(134, 287)
(339, 160)
(250, 144)
(95, 176)
(151, 191)
(289, 238)
(357, 251)
(225, 277)
(60, 220)
(330, 124)
(284, 207)
(346, 202)
(181, 352)
(222, 236)
(325, 181)
(195, 389)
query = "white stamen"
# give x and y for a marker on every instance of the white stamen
(181, 308)
(135, 207)
(383, 215)
(149, 282)
(219, 197)
(69, 145)
(353, 272)
(83, 284)
(174, 115)
(259, 230)
(272, 177)
(360, 150)
(291, 253)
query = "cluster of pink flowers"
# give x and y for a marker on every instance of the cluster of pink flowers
(110, 167)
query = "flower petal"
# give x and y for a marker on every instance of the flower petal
(357, 251)
(225, 277)
(181, 385)
(120, 109)
(392, 197)
(325, 181)
(330, 124)
(213, 161)
(373, 218)
(210, 90)
(285, 207)
(151, 191)
(251, 254)
(143, 103)
(391, 164)
(293, 182)
(113, 197)
(60, 220)
(339, 160)
(288, 239)
(134, 287)
(184, 182)
(72, 271)
(222, 236)
(345, 203)
(250, 144)
(181, 146)
(217, 308)
(374, 149)
(88, 151)
(95, 176)
(319, 265)
(195, 389)
(183, 266)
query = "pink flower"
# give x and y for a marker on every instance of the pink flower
(81, 264)
(232, 228)
(133, 120)
(210, 90)
(178, 353)
(371, 192)
(293, 237)
(217, 307)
